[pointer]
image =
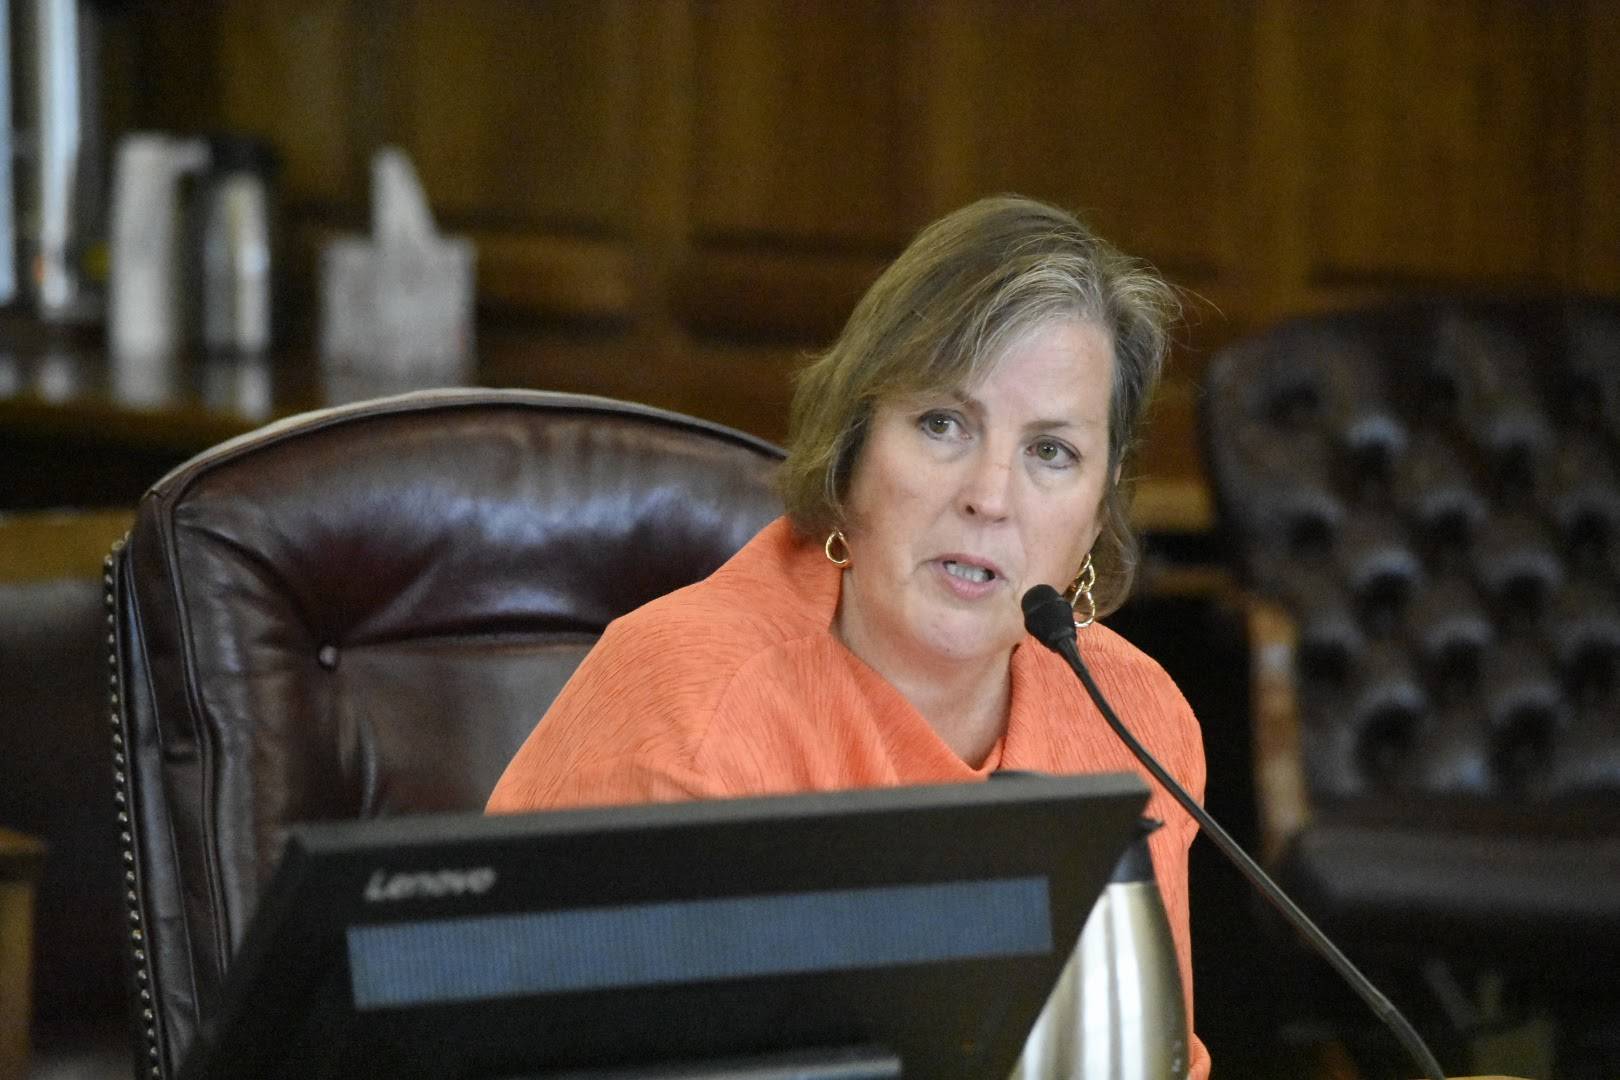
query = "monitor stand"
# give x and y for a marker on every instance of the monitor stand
(855, 1063)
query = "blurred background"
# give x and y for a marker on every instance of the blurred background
(675, 201)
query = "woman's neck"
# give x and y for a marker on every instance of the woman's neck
(969, 714)
(965, 702)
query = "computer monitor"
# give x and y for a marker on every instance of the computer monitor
(857, 933)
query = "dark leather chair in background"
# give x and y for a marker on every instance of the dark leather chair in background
(363, 612)
(1424, 500)
(54, 786)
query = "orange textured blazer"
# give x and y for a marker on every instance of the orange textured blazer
(737, 686)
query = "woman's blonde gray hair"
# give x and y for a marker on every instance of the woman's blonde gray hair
(942, 315)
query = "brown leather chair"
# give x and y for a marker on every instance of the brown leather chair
(53, 786)
(362, 612)
(1424, 500)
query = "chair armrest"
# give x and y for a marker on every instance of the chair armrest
(1278, 769)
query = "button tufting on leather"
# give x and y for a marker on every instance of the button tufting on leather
(1441, 483)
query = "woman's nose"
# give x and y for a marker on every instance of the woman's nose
(986, 489)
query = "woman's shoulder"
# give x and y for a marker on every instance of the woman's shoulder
(684, 649)
(767, 593)
(705, 625)
(1108, 653)
(1135, 683)
(1148, 701)
(633, 720)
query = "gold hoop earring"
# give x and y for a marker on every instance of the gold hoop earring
(1080, 593)
(838, 535)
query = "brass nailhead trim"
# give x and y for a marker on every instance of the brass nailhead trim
(121, 797)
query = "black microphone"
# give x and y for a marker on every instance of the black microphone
(1050, 620)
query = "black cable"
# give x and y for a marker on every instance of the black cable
(1048, 617)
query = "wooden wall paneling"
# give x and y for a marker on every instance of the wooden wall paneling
(804, 184)
(520, 119)
(1124, 111)
(593, 314)
(558, 277)
(1273, 246)
(1597, 265)
(796, 124)
(1440, 141)
(800, 164)
(284, 73)
(749, 386)
(518, 114)
(663, 155)
(287, 75)
(761, 294)
(176, 83)
(592, 362)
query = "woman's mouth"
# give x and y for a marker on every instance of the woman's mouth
(968, 572)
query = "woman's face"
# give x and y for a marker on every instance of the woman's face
(961, 501)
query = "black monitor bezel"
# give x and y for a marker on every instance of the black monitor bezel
(286, 993)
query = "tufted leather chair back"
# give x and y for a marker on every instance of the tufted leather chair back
(362, 612)
(1431, 491)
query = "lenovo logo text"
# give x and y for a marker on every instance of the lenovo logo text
(429, 883)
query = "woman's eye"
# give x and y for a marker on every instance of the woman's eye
(938, 424)
(1052, 452)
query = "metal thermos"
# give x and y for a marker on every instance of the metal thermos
(1118, 1011)
(145, 311)
(236, 256)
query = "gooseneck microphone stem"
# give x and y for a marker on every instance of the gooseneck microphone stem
(1048, 617)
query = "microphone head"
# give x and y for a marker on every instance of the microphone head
(1048, 617)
